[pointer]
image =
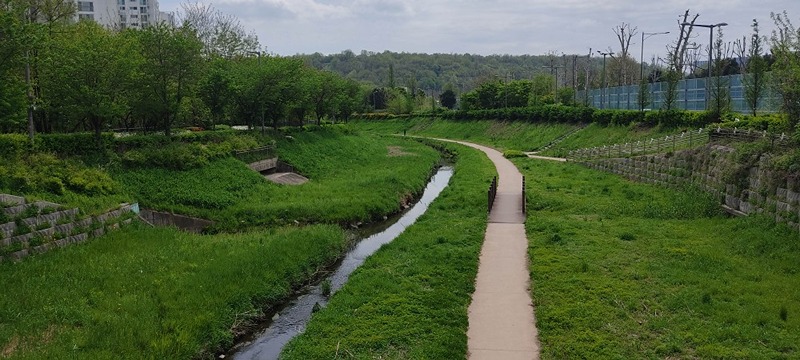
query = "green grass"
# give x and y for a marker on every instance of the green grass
(622, 270)
(409, 300)
(143, 293)
(502, 135)
(353, 179)
(597, 135)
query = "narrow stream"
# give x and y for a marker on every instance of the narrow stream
(292, 320)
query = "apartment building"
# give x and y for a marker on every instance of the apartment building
(122, 14)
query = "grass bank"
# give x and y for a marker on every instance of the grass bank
(499, 134)
(144, 293)
(626, 270)
(599, 135)
(410, 299)
(354, 178)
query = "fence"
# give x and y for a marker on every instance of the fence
(524, 199)
(690, 95)
(492, 193)
(672, 143)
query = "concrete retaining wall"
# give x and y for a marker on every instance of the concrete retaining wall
(182, 222)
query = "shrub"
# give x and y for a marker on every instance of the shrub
(513, 154)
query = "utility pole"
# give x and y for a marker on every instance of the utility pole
(604, 93)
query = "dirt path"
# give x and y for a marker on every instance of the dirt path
(501, 317)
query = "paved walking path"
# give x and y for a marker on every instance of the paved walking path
(501, 318)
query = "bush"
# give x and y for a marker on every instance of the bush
(12, 146)
(75, 144)
(513, 154)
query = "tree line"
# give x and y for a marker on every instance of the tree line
(58, 75)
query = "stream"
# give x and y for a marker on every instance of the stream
(292, 319)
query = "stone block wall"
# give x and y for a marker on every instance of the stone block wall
(756, 189)
(52, 226)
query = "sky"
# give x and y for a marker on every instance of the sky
(486, 27)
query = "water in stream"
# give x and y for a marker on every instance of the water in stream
(291, 320)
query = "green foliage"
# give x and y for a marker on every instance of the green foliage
(773, 123)
(156, 292)
(410, 299)
(226, 191)
(502, 134)
(68, 182)
(513, 154)
(13, 146)
(785, 44)
(681, 271)
(448, 99)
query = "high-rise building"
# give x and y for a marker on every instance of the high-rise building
(122, 14)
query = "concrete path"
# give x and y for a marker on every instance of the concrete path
(533, 155)
(501, 317)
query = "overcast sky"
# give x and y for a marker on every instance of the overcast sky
(288, 27)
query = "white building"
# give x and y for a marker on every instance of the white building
(122, 14)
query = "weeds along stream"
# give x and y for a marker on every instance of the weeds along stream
(291, 320)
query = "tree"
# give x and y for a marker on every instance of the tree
(220, 34)
(677, 51)
(720, 96)
(170, 69)
(326, 85)
(755, 71)
(643, 97)
(448, 98)
(13, 41)
(215, 89)
(623, 63)
(542, 90)
(785, 43)
(86, 72)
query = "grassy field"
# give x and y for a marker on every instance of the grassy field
(353, 179)
(153, 293)
(622, 270)
(502, 135)
(409, 300)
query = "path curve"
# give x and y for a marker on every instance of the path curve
(502, 324)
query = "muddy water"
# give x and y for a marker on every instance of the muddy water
(292, 320)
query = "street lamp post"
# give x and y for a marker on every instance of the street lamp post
(645, 36)
(710, 55)
(604, 93)
(263, 125)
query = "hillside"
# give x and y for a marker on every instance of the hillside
(432, 72)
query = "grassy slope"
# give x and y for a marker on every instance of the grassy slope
(502, 135)
(410, 299)
(596, 135)
(152, 293)
(352, 179)
(627, 270)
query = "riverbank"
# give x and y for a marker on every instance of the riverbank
(410, 299)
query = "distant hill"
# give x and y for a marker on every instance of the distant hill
(431, 72)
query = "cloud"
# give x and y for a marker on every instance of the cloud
(482, 26)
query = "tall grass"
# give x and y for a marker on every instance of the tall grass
(410, 299)
(143, 293)
(626, 270)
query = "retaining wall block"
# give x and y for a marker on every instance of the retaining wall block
(64, 228)
(98, 232)
(12, 199)
(792, 197)
(782, 194)
(20, 254)
(15, 210)
(48, 233)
